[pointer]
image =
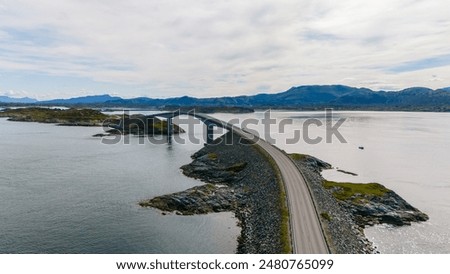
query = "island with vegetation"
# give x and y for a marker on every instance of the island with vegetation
(113, 124)
(68, 117)
(137, 124)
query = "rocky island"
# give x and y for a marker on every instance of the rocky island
(136, 124)
(239, 179)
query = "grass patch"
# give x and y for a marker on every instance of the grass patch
(297, 156)
(348, 191)
(160, 124)
(237, 167)
(212, 156)
(325, 216)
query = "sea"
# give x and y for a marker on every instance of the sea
(64, 191)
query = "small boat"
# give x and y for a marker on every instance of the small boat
(361, 147)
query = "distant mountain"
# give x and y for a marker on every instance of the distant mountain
(24, 100)
(302, 97)
(337, 96)
(93, 99)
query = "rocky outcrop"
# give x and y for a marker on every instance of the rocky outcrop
(197, 200)
(386, 208)
(207, 167)
(218, 195)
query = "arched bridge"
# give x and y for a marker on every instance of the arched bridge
(209, 121)
(306, 231)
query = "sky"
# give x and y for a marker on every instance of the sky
(207, 48)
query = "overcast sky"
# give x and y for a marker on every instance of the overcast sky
(204, 48)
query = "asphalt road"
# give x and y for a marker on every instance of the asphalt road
(306, 231)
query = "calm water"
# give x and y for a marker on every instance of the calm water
(407, 152)
(62, 191)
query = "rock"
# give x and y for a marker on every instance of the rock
(347, 172)
(385, 207)
(312, 162)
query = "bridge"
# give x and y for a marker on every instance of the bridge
(307, 236)
(209, 121)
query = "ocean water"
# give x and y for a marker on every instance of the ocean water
(63, 191)
(407, 152)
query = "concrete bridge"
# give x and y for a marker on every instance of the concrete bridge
(209, 121)
(307, 236)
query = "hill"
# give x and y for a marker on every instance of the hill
(93, 99)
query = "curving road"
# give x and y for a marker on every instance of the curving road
(306, 231)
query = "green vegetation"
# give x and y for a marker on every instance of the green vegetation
(285, 232)
(212, 156)
(160, 125)
(297, 156)
(210, 187)
(284, 210)
(237, 167)
(325, 216)
(59, 116)
(355, 192)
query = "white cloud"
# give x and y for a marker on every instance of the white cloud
(15, 93)
(208, 48)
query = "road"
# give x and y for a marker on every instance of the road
(305, 228)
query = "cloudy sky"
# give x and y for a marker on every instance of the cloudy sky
(206, 48)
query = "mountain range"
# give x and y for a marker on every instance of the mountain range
(24, 100)
(305, 97)
(92, 99)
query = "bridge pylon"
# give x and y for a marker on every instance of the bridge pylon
(209, 133)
